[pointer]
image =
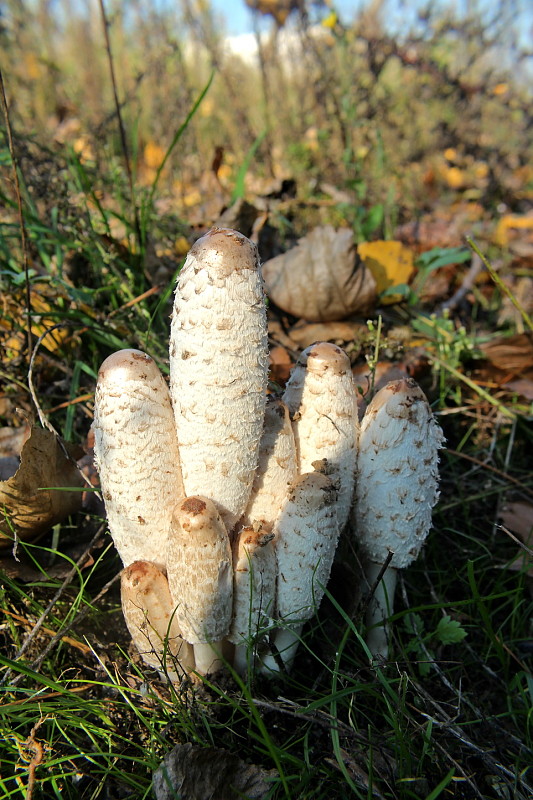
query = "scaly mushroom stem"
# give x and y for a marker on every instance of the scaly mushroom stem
(380, 607)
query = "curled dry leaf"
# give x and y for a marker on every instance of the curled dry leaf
(201, 773)
(321, 279)
(43, 491)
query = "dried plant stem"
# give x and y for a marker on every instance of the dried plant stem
(23, 237)
(122, 130)
(500, 284)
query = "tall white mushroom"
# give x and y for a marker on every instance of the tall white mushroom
(200, 578)
(307, 533)
(219, 369)
(396, 489)
(322, 400)
(136, 454)
(254, 590)
(276, 469)
(148, 610)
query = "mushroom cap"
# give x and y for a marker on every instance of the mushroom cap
(322, 399)
(397, 479)
(149, 613)
(200, 574)
(136, 454)
(276, 469)
(254, 582)
(307, 533)
(219, 369)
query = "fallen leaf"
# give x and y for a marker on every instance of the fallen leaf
(391, 264)
(321, 279)
(522, 387)
(37, 496)
(12, 440)
(512, 354)
(518, 517)
(280, 364)
(306, 333)
(508, 224)
(191, 772)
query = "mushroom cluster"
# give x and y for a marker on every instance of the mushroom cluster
(225, 502)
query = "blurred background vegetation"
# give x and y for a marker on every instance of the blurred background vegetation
(396, 119)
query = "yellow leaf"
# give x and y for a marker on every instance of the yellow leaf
(330, 21)
(508, 222)
(181, 246)
(500, 88)
(153, 155)
(450, 154)
(454, 177)
(390, 263)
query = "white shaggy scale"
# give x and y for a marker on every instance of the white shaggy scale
(397, 483)
(276, 470)
(322, 400)
(148, 611)
(200, 578)
(219, 369)
(136, 454)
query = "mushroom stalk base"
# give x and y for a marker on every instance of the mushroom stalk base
(380, 607)
(286, 641)
(208, 657)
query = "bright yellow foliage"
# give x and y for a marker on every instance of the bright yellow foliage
(391, 264)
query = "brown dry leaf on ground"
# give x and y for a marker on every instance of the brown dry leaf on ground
(320, 279)
(511, 353)
(304, 333)
(204, 773)
(31, 502)
(518, 518)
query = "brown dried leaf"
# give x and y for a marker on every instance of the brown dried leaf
(518, 517)
(513, 354)
(321, 279)
(30, 500)
(280, 364)
(304, 333)
(191, 772)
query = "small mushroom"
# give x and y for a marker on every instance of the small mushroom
(322, 400)
(306, 533)
(254, 590)
(396, 489)
(200, 578)
(148, 610)
(219, 369)
(136, 454)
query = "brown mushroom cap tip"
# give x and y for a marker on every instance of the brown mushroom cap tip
(226, 251)
(124, 364)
